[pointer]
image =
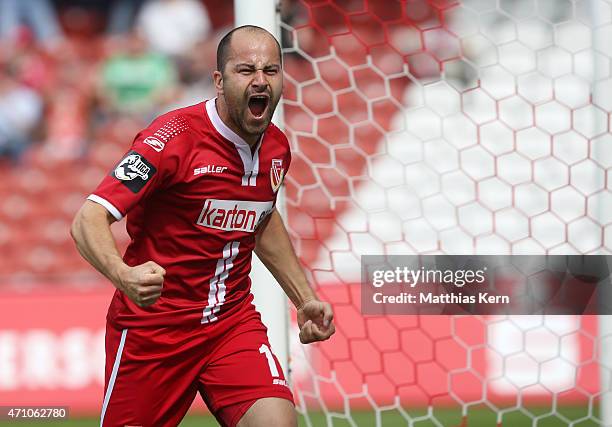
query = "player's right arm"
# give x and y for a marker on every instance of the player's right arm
(151, 163)
(94, 240)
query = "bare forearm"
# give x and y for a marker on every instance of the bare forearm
(275, 250)
(94, 240)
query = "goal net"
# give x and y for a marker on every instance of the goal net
(445, 127)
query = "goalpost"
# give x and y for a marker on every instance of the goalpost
(270, 299)
(444, 127)
(600, 42)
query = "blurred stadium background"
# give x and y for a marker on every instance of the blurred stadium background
(417, 127)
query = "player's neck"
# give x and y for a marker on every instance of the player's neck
(226, 118)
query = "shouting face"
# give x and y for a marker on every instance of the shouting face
(250, 83)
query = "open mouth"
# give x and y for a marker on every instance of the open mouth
(258, 105)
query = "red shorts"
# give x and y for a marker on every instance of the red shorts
(153, 374)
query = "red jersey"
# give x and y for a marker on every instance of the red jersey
(194, 193)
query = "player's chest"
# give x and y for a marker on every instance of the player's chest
(229, 190)
(224, 172)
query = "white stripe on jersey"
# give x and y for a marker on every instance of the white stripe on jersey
(216, 293)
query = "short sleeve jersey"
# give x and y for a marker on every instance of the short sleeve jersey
(194, 193)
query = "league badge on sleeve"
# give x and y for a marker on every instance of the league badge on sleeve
(277, 174)
(134, 171)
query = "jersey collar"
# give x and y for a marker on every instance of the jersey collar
(250, 160)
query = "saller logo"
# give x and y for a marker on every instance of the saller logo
(233, 215)
(209, 169)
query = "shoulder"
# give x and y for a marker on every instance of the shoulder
(173, 128)
(274, 132)
(282, 148)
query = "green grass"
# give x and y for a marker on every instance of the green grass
(477, 417)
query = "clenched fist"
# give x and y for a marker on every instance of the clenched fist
(315, 319)
(143, 283)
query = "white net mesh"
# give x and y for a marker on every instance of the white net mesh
(440, 127)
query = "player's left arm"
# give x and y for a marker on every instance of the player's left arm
(274, 248)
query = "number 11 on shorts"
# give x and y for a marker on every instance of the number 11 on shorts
(271, 363)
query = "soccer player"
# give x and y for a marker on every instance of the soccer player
(199, 188)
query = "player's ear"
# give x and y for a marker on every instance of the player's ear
(218, 80)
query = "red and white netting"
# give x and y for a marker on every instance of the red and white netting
(445, 127)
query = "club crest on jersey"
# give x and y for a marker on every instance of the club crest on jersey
(154, 143)
(134, 171)
(276, 174)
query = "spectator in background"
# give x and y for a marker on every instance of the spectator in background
(195, 71)
(31, 64)
(173, 27)
(39, 15)
(21, 110)
(69, 106)
(136, 81)
(83, 19)
(122, 15)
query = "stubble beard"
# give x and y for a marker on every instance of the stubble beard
(240, 115)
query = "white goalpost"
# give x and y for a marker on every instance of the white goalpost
(604, 321)
(270, 299)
